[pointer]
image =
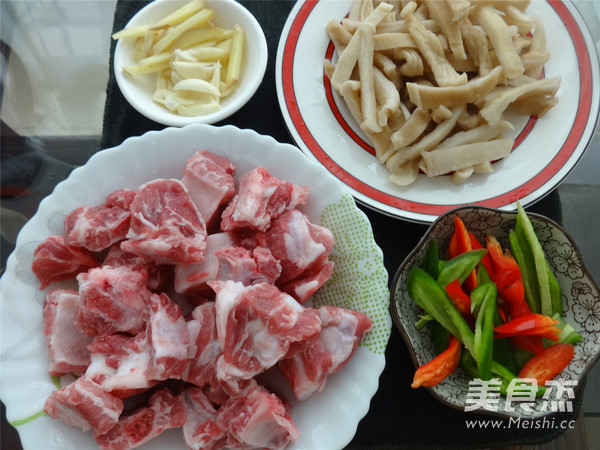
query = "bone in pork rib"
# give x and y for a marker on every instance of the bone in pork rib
(166, 226)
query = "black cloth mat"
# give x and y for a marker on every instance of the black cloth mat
(399, 416)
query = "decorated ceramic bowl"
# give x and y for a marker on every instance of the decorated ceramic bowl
(580, 295)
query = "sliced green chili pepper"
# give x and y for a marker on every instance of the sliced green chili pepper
(555, 292)
(521, 252)
(503, 352)
(502, 371)
(441, 265)
(430, 296)
(521, 357)
(431, 261)
(483, 275)
(439, 336)
(483, 301)
(568, 334)
(469, 365)
(423, 321)
(525, 228)
(460, 267)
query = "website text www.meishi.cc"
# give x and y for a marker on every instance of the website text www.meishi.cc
(543, 423)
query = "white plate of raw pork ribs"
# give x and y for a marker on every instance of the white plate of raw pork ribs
(196, 287)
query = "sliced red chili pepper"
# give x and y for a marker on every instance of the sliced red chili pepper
(504, 267)
(502, 314)
(501, 260)
(514, 294)
(531, 344)
(461, 243)
(507, 276)
(548, 364)
(551, 332)
(436, 370)
(462, 235)
(452, 247)
(474, 241)
(524, 323)
(486, 260)
(530, 325)
(461, 300)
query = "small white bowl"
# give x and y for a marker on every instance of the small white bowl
(138, 90)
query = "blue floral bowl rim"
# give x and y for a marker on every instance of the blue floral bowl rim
(402, 267)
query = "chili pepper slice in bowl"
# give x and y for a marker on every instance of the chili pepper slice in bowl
(511, 319)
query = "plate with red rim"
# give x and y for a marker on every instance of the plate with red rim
(546, 149)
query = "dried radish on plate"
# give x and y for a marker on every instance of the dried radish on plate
(415, 74)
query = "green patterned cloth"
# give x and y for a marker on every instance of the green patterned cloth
(358, 283)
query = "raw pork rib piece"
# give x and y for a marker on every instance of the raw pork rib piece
(298, 243)
(254, 419)
(96, 227)
(342, 330)
(257, 419)
(192, 278)
(247, 267)
(67, 346)
(308, 282)
(256, 326)
(260, 197)
(200, 368)
(157, 274)
(226, 261)
(201, 430)
(84, 404)
(121, 198)
(54, 260)
(113, 299)
(165, 225)
(121, 364)
(168, 336)
(162, 412)
(125, 364)
(209, 180)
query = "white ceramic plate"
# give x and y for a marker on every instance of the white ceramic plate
(138, 90)
(547, 150)
(328, 419)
